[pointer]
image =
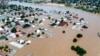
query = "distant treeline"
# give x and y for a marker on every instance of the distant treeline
(86, 5)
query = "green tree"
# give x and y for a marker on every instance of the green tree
(28, 35)
(79, 35)
(13, 30)
(1, 48)
(63, 31)
(72, 47)
(74, 40)
(26, 20)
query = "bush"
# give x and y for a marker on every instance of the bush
(74, 40)
(79, 35)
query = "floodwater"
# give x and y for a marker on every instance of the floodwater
(60, 44)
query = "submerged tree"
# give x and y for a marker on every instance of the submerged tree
(63, 31)
(28, 35)
(26, 20)
(79, 35)
(74, 40)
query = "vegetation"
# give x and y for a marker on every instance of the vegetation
(8, 22)
(74, 40)
(17, 35)
(26, 20)
(3, 20)
(13, 30)
(63, 31)
(6, 39)
(38, 35)
(42, 32)
(86, 5)
(28, 35)
(36, 19)
(80, 51)
(3, 6)
(72, 47)
(79, 35)
(33, 21)
(5, 48)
